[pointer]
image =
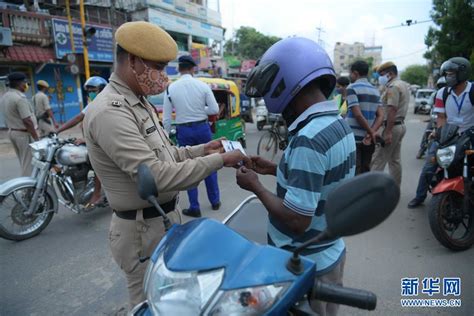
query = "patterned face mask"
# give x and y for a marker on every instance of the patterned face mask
(151, 81)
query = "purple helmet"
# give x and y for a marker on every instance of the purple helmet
(285, 68)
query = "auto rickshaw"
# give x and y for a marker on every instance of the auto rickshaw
(227, 123)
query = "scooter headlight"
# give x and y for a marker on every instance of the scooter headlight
(445, 156)
(248, 301)
(180, 293)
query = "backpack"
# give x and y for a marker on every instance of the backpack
(447, 91)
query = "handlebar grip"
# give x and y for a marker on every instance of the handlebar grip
(345, 296)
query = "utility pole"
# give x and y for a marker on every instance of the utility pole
(84, 39)
(320, 30)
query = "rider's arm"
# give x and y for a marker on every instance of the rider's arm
(71, 123)
(378, 119)
(441, 119)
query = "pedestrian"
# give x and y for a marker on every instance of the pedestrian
(20, 119)
(93, 86)
(454, 105)
(395, 99)
(193, 102)
(122, 131)
(44, 114)
(320, 153)
(341, 88)
(364, 112)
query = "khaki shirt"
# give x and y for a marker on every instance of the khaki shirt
(123, 131)
(396, 94)
(16, 107)
(41, 103)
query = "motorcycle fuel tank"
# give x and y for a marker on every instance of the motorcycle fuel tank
(72, 155)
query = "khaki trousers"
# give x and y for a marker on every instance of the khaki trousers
(335, 276)
(131, 239)
(391, 154)
(45, 128)
(21, 142)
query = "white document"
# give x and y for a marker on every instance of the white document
(230, 145)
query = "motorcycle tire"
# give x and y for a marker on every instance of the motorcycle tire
(436, 214)
(267, 146)
(38, 221)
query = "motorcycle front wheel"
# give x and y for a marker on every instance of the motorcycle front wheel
(15, 224)
(451, 226)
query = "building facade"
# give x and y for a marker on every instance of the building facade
(346, 54)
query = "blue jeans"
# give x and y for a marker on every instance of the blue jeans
(427, 173)
(196, 134)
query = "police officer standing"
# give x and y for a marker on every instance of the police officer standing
(20, 120)
(122, 131)
(395, 99)
(44, 114)
(193, 101)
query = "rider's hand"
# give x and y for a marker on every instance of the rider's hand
(247, 179)
(262, 166)
(79, 141)
(432, 135)
(234, 158)
(214, 146)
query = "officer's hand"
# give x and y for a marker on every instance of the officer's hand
(214, 146)
(235, 158)
(262, 166)
(79, 141)
(247, 179)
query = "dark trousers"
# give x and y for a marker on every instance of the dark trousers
(429, 168)
(192, 135)
(363, 157)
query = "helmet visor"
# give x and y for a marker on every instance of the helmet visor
(449, 66)
(261, 78)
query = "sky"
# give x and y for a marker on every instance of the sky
(341, 21)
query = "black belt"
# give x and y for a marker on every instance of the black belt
(395, 123)
(192, 123)
(149, 212)
(19, 130)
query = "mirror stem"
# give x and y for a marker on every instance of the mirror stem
(166, 220)
(294, 264)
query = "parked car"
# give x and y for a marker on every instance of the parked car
(422, 98)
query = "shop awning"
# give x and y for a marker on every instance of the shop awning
(29, 53)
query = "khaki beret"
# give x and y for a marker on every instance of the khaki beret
(385, 65)
(42, 83)
(147, 41)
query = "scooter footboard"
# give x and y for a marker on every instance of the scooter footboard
(250, 219)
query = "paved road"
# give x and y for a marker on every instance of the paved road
(67, 269)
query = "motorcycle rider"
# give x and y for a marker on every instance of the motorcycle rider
(441, 83)
(454, 105)
(93, 86)
(295, 77)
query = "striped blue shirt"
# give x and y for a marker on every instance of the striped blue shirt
(320, 154)
(367, 97)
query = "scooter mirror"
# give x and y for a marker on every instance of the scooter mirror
(146, 183)
(361, 203)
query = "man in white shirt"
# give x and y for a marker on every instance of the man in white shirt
(193, 101)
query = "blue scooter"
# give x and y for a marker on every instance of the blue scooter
(205, 267)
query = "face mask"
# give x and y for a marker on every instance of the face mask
(451, 80)
(383, 80)
(92, 95)
(151, 81)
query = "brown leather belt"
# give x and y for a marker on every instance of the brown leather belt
(149, 212)
(18, 130)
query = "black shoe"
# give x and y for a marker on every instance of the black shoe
(216, 206)
(415, 203)
(192, 213)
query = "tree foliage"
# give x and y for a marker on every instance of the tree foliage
(416, 74)
(248, 43)
(454, 34)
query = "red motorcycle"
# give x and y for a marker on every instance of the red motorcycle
(451, 213)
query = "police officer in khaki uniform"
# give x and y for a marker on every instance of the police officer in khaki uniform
(122, 131)
(20, 120)
(395, 99)
(43, 111)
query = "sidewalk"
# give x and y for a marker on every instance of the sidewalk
(6, 148)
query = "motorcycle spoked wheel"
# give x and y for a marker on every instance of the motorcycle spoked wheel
(15, 224)
(453, 228)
